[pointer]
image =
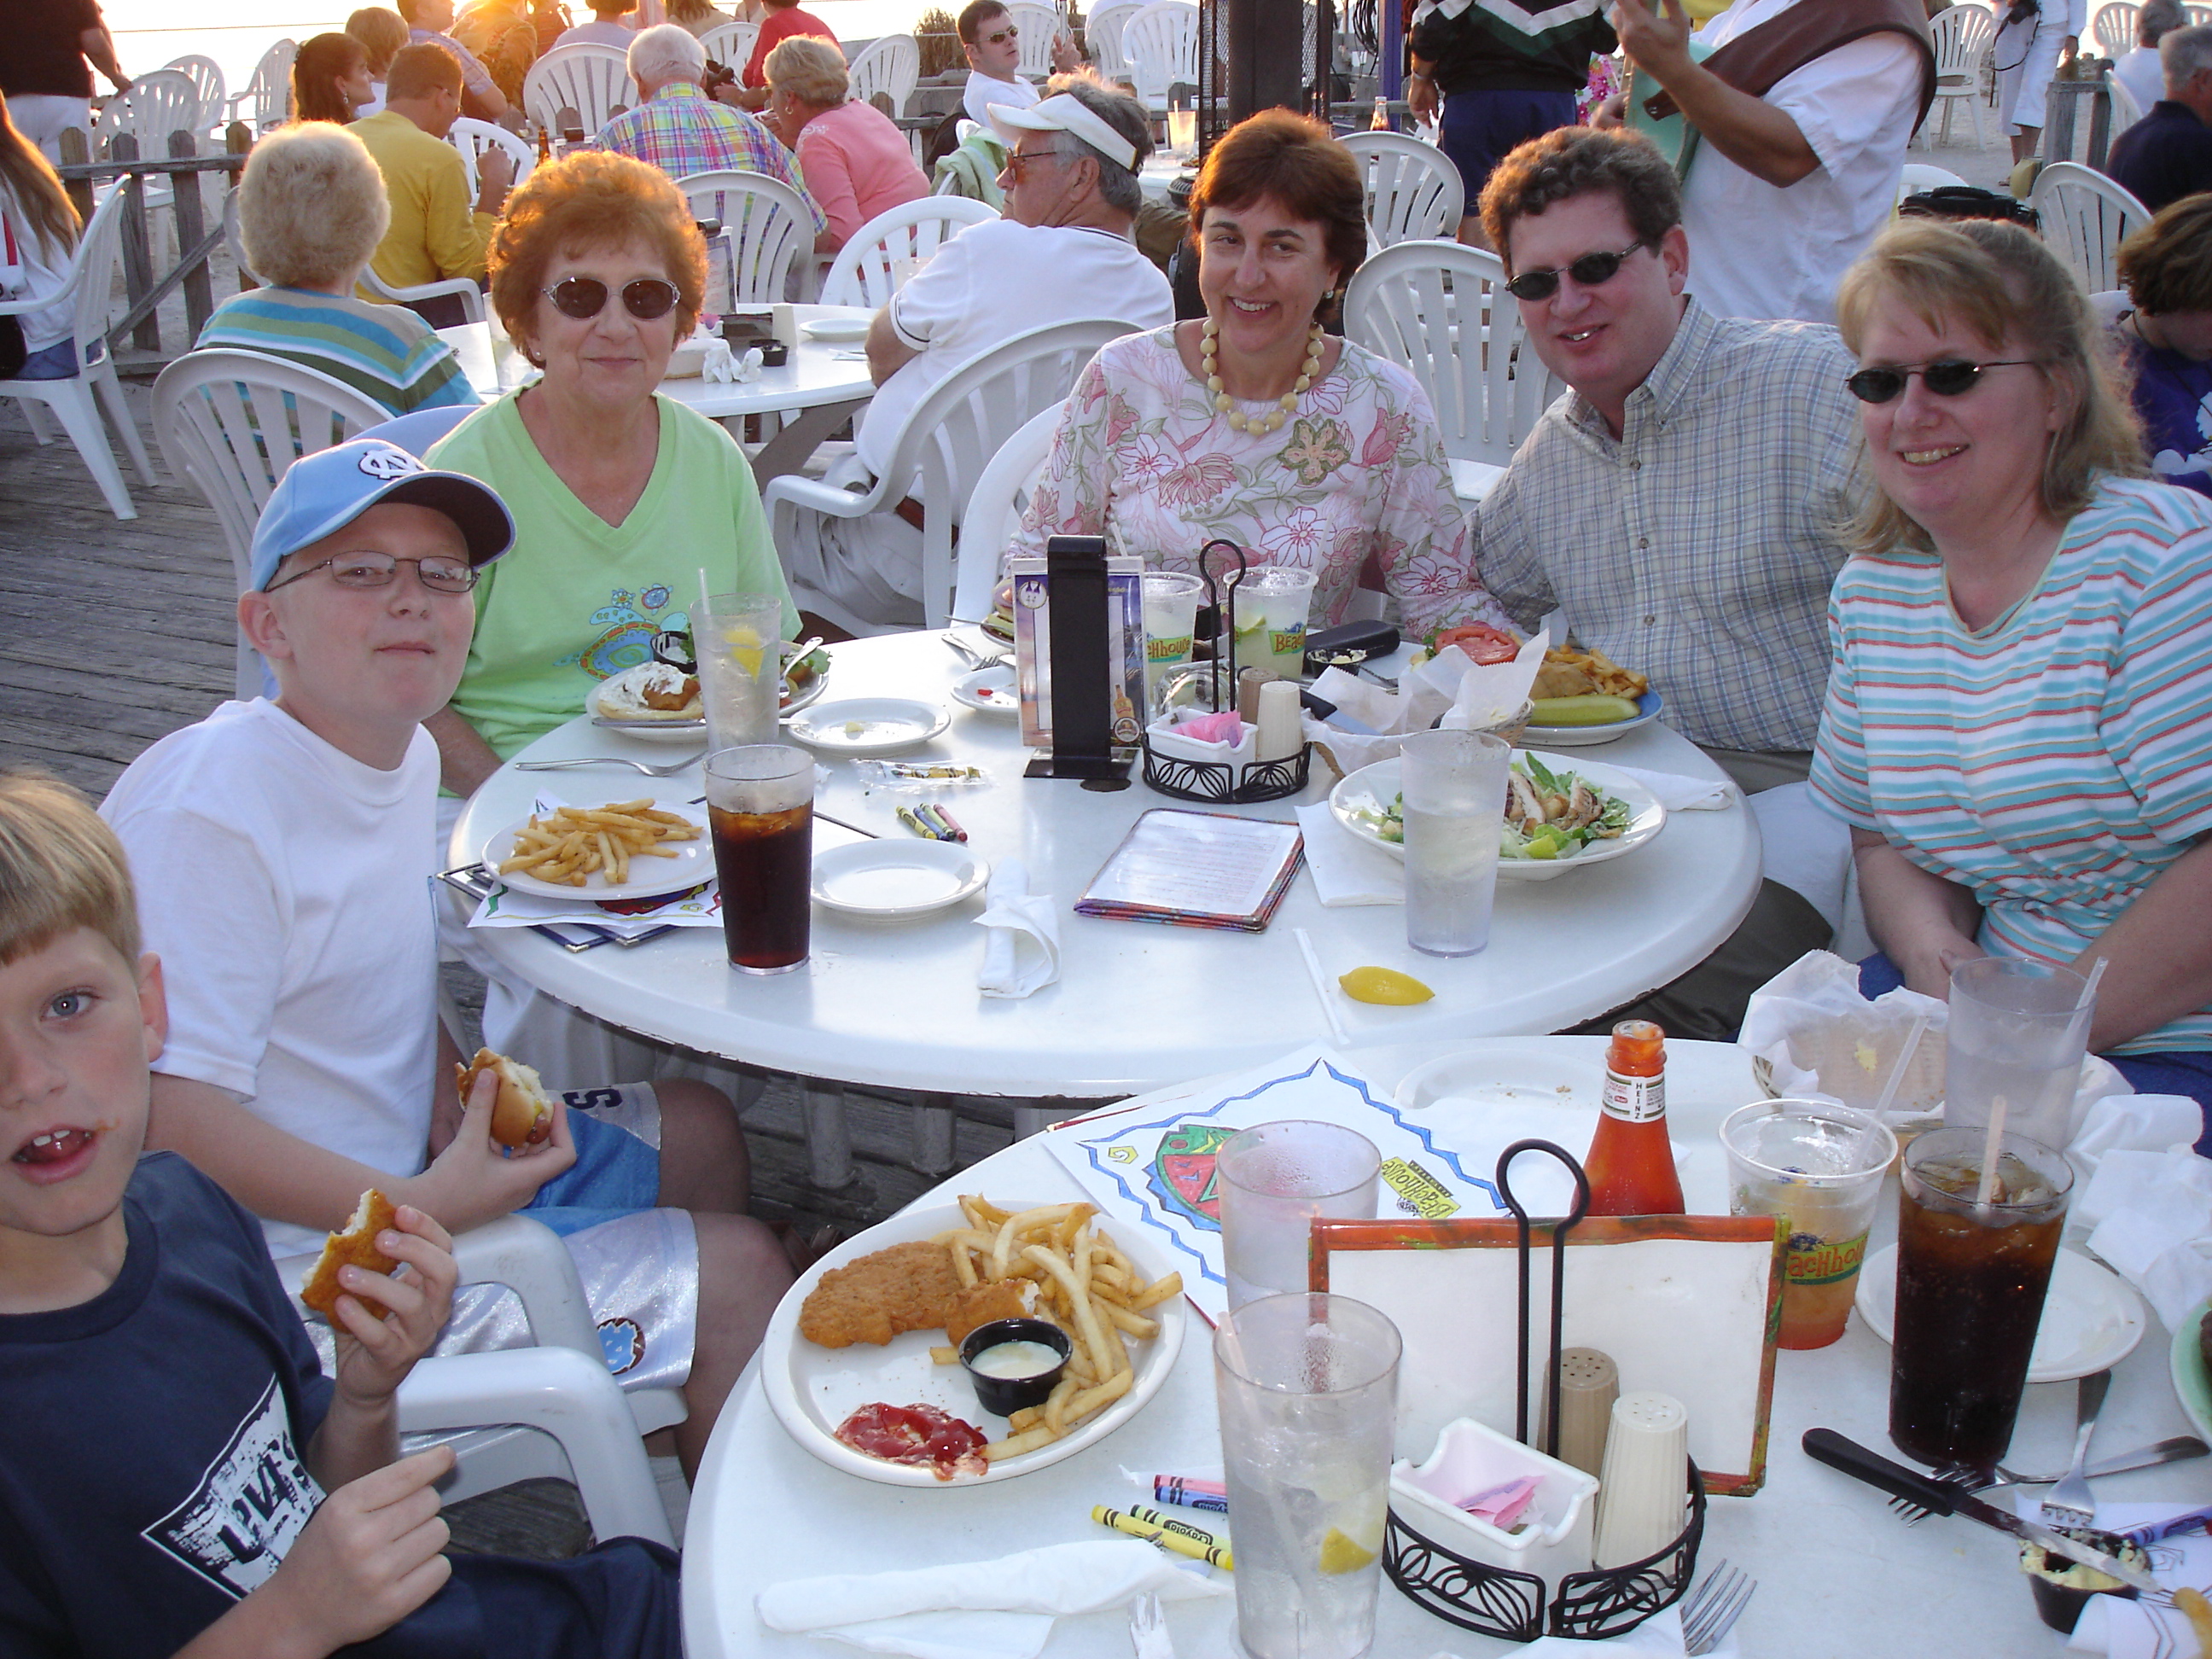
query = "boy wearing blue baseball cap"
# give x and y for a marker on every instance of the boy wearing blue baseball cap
(283, 855)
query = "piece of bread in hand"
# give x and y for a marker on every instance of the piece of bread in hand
(523, 1115)
(353, 1246)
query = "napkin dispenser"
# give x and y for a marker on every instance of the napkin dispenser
(1078, 656)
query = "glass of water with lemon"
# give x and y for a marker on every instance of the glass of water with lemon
(1272, 602)
(737, 639)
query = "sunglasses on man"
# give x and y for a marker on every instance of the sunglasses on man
(646, 299)
(1002, 36)
(1946, 377)
(1591, 270)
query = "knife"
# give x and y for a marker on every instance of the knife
(1827, 1446)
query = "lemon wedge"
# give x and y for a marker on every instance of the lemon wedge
(1340, 1554)
(1383, 985)
(746, 650)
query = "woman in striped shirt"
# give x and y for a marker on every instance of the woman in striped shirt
(2020, 707)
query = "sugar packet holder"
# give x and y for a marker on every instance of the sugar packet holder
(919, 777)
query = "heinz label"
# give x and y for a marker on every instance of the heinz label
(1634, 1099)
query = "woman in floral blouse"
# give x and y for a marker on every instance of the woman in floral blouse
(1251, 424)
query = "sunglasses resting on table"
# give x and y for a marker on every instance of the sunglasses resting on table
(364, 570)
(1947, 378)
(584, 297)
(1591, 270)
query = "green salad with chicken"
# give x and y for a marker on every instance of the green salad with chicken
(1548, 815)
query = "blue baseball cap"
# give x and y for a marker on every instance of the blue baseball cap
(321, 494)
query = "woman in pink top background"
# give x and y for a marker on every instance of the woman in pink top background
(856, 162)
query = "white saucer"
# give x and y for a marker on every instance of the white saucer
(896, 877)
(869, 726)
(835, 328)
(2091, 1320)
(998, 681)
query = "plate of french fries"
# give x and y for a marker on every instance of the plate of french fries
(624, 849)
(1120, 1303)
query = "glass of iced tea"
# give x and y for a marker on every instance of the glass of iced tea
(1819, 1168)
(1971, 1278)
(760, 806)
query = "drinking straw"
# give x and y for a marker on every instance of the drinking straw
(1904, 1059)
(706, 604)
(1319, 984)
(2096, 973)
(1989, 1150)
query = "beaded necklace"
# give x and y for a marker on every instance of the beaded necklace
(1209, 347)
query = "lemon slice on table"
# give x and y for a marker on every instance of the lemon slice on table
(1383, 985)
(1340, 1554)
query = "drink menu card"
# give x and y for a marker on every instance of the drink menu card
(1197, 870)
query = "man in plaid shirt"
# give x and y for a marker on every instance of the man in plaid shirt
(680, 129)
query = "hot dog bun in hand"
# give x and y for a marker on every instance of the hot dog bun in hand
(354, 1245)
(523, 1115)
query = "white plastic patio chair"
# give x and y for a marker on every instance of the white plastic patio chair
(91, 282)
(207, 77)
(554, 1409)
(2125, 111)
(1101, 35)
(1037, 25)
(1160, 44)
(1917, 176)
(157, 105)
(877, 258)
(892, 65)
(960, 423)
(1962, 36)
(267, 99)
(731, 44)
(462, 288)
(1442, 312)
(2085, 215)
(995, 507)
(2114, 27)
(232, 422)
(473, 138)
(234, 240)
(1414, 192)
(591, 80)
(765, 228)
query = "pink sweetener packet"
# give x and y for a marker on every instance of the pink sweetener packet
(1502, 1505)
(1224, 727)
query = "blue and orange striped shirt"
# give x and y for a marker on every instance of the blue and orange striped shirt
(2054, 762)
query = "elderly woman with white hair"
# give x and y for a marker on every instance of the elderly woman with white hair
(856, 163)
(311, 211)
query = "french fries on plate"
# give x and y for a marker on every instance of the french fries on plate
(568, 847)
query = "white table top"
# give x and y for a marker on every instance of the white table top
(1137, 1007)
(1840, 1575)
(818, 372)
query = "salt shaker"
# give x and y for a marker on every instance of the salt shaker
(1646, 1485)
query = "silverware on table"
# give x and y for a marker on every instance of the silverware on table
(2070, 1503)
(976, 658)
(1715, 1606)
(667, 771)
(1915, 1496)
(2179, 1450)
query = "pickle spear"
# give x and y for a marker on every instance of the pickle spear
(1592, 708)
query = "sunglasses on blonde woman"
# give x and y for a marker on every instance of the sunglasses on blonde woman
(1947, 377)
(584, 297)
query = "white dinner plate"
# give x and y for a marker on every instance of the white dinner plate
(836, 329)
(1375, 787)
(870, 725)
(1586, 737)
(892, 878)
(694, 730)
(694, 863)
(991, 690)
(2091, 1320)
(812, 1389)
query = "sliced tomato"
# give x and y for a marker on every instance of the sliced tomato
(1479, 640)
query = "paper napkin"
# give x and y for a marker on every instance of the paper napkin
(1345, 870)
(2153, 1219)
(1001, 1609)
(1678, 793)
(2128, 1628)
(722, 365)
(1021, 944)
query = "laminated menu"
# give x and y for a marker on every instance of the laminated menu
(1197, 870)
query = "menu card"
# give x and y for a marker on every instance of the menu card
(1197, 870)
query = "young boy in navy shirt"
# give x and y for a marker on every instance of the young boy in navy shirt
(176, 1475)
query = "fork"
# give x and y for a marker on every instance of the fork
(1967, 1479)
(2070, 1503)
(976, 659)
(668, 771)
(1148, 1628)
(1715, 1606)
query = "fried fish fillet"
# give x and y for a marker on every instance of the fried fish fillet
(908, 1287)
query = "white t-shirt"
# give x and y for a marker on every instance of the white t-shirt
(1762, 250)
(30, 268)
(994, 280)
(285, 887)
(2141, 73)
(981, 92)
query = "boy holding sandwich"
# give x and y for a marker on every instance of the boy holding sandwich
(282, 852)
(137, 1298)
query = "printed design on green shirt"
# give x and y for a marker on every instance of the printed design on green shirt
(627, 624)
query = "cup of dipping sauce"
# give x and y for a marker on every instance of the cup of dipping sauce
(1014, 1363)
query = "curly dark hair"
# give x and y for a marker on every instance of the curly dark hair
(1573, 162)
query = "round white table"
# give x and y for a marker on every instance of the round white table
(824, 384)
(1137, 1005)
(1840, 1577)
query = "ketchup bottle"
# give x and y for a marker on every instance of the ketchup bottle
(1631, 1164)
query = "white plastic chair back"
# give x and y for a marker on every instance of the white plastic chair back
(1962, 35)
(1037, 25)
(765, 227)
(207, 79)
(473, 138)
(891, 64)
(2125, 111)
(157, 105)
(1102, 34)
(92, 271)
(235, 241)
(879, 257)
(2198, 16)
(591, 80)
(267, 99)
(1441, 311)
(462, 288)
(417, 431)
(995, 507)
(232, 422)
(1160, 44)
(1414, 192)
(2085, 215)
(1917, 176)
(2114, 26)
(731, 44)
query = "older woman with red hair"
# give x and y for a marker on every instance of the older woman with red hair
(1255, 425)
(620, 496)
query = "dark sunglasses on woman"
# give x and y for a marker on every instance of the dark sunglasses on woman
(1947, 378)
(1591, 270)
(584, 297)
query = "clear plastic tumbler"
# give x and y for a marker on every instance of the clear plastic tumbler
(1276, 1179)
(1454, 785)
(737, 639)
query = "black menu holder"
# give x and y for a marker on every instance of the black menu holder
(1075, 652)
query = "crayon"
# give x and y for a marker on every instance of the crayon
(920, 825)
(949, 823)
(1191, 1494)
(1215, 1555)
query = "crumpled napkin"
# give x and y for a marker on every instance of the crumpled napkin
(1678, 793)
(723, 365)
(2153, 1211)
(1021, 946)
(1491, 694)
(1000, 1609)
(1821, 1039)
(1345, 870)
